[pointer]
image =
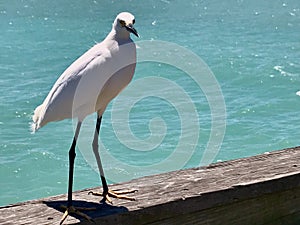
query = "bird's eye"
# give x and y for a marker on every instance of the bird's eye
(133, 21)
(122, 22)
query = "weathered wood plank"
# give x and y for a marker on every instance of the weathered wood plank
(263, 189)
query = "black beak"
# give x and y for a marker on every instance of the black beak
(131, 29)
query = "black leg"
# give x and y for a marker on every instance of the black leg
(70, 208)
(106, 192)
(97, 155)
(72, 155)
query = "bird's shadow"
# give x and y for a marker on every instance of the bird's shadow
(101, 209)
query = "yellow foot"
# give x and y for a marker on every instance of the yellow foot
(114, 194)
(73, 210)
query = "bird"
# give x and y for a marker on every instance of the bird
(87, 86)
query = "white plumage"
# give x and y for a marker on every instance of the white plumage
(94, 79)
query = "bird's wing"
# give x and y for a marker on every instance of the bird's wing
(75, 93)
(77, 68)
(58, 104)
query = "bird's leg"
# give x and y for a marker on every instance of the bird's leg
(106, 192)
(70, 208)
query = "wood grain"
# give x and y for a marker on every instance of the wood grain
(263, 189)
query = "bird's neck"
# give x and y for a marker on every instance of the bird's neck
(119, 36)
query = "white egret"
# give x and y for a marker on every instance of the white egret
(87, 86)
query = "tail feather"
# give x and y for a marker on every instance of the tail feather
(33, 127)
(36, 118)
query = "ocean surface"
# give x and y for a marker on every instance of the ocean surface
(223, 83)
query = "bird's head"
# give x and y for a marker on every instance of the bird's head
(123, 24)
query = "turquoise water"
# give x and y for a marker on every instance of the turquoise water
(252, 48)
